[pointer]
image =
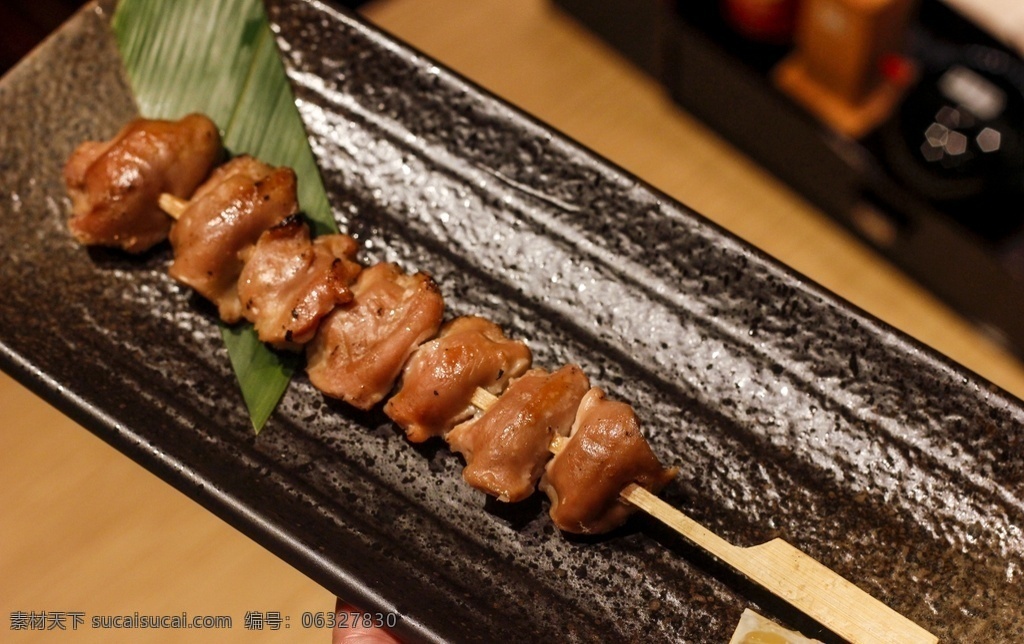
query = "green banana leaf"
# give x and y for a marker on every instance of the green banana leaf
(219, 57)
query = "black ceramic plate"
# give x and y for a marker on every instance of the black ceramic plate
(788, 412)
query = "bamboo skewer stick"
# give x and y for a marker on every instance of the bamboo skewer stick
(483, 399)
(172, 205)
(795, 577)
(785, 571)
(780, 568)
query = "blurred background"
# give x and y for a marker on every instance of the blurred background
(901, 119)
(885, 169)
(23, 24)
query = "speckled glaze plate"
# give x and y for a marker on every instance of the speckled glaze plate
(788, 412)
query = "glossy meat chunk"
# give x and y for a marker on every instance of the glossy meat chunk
(605, 452)
(506, 447)
(222, 222)
(114, 185)
(441, 376)
(361, 347)
(290, 281)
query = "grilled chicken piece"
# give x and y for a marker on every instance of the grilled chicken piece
(605, 452)
(361, 347)
(439, 380)
(114, 185)
(506, 447)
(290, 282)
(226, 216)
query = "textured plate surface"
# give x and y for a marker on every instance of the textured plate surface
(788, 412)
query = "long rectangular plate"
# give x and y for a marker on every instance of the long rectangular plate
(789, 412)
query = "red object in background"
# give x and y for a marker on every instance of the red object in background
(897, 69)
(769, 21)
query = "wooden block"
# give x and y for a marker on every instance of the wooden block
(852, 119)
(841, 41)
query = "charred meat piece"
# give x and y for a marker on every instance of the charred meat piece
(605, 453)
(224, 219)
(506, 447)
(114, 186)
(439, 380)
(290, 281)
(361, 347)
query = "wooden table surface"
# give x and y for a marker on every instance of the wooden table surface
(83, 528)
